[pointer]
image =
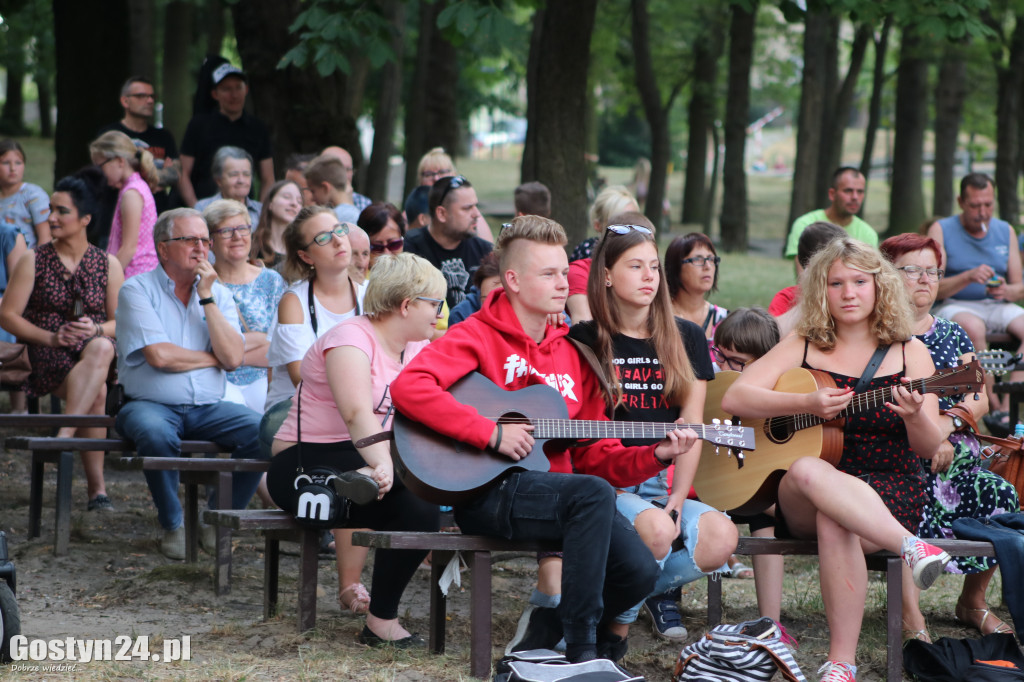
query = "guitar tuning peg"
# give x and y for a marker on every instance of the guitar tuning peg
(977, 397)
(716, 449)
(728, 422)
(716, 421)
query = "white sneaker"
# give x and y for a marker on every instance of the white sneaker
(173, 544)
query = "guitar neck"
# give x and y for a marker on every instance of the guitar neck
(582, 429)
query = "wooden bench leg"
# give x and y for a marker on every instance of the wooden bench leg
(271, 568)
(35, 496)
(480, 614)
(222, 566)
(62, 525)
(308, 557)
(438, 602)
(191, 517)
(714, 600)
(894, 618)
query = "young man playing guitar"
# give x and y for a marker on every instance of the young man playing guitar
(606, 566)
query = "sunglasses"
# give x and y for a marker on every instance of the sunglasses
(455, 183)
(626, 229)
(324, 238)
(438, 301)
(393, 245)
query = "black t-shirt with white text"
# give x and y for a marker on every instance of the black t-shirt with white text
(457, 265)
(641, 375)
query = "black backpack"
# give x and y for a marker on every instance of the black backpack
(992, 658)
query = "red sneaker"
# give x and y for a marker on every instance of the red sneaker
(926, 561)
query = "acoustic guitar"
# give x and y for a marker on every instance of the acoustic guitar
(444, 470)
(750, 486)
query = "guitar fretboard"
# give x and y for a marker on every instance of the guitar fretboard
(582, 429)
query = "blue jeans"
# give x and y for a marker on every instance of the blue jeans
(1006, 533)
(605, 565)
(158, 430)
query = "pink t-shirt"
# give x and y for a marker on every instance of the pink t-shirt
(321, 422)
(579, 272)
(144, 258)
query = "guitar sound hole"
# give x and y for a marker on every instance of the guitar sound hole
(777, 431)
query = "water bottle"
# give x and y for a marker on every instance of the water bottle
(1018, 431)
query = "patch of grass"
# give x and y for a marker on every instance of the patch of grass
(182, 573)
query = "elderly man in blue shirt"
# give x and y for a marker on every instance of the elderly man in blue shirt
(177, 335)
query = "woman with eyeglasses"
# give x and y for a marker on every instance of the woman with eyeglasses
(134, 175)
(854, 326)
(658, 368)
(61, 300)
(345, 396)
(385, 225)
(256, 290)
(231, 169)
(958, 485)
(691, 266)
(284, 201)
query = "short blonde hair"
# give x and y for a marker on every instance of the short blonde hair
(532, 228)
(436, 157)
(395, 278)
(892, 316)
(610, 202)
(222, 209)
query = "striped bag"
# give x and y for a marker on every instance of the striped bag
(747, 652)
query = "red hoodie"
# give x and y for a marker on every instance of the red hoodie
(493, 343)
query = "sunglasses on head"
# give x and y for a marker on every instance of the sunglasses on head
(393, 245)
(625, 229)
(455, 183)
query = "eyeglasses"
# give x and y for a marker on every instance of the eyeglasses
(723, 359)
(438, 301)
(701, 261)
(443, 173)
(191, 241)
(913, 272)
(456, 182)
(142, 95)
(393, 245)
(324, 238)
(231, 232)
(625, 229)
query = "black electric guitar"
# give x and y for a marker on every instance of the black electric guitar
(752, 486)
(444, 470)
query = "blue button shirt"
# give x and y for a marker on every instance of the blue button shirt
(148, 312)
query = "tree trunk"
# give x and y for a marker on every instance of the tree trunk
(737, 111)
(42, 80)
(177, 86)
(950, 92)
(87, 88)
(906, 201)
(213, 25)
(835, 128)
(143, 38)
(12, 120)
(875, 107)
(701, 120)
(716, 158)
(431, 117)
(657, 115)
(812, 110)
(559, 95)
(829, 125)
(303, 110)
(1008, 114)
(385, 117)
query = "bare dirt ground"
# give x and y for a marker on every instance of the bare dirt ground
(115, 583)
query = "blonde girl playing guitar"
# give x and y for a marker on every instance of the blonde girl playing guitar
(853, 301)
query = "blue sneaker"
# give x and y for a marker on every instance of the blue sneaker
(666, 621)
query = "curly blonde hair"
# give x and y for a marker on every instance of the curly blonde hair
(891, 319)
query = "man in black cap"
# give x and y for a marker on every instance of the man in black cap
(229, 125)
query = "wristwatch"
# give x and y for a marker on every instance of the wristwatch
(206, 301)
(958, 422)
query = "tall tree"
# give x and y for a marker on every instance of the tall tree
(1007, 53)
(177, 77)
(556, 103)
(702, 114)
(655, 109)
(385, 115)
(950, 93)
(878, 78)
(737, 110)
(906, 201)
(143, 37)
(91, 67)
(813, 86)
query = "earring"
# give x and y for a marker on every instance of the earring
(607, 284)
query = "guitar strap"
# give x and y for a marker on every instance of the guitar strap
(869, 371)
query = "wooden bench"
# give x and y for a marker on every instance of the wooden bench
(59, 451)
(276, 525)
(889, 563)
(444, 546)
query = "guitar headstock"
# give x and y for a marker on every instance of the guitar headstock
(728, 435)
(969, 378)
(998, 362)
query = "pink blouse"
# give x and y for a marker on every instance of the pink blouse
(144, 258)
